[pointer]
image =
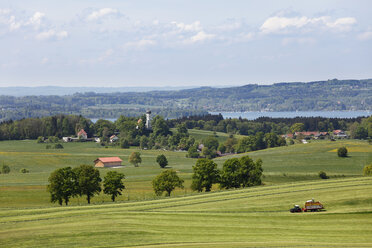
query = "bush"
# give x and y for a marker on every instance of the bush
(24, 170)
(342, 152)
(58, 146)
(48, 147)
(40, 139)
(162, 161)
(367, 170)
(5, 169)
(124, 144)
(323, 175)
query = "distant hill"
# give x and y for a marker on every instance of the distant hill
(61, 91)
(313, 96)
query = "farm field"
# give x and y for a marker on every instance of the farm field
(251, 217)
(281, 165)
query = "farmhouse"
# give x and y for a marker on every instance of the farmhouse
(311, 135)
(82, 135)
(107, 162)
(339, 134)
(114, 138)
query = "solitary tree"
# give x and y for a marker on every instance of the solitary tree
(135, 158)
(88, 181)
(162, 160)
(205, 175)
(342, 152)
(62, 185)
(167, 181)
(113, 184)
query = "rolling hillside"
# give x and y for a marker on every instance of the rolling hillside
(252, 217)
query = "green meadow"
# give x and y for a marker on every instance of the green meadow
(251, 217)
(282, 164)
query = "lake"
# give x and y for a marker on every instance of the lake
(328, 114)
(256, 114)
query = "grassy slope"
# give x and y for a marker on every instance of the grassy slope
(253, 217)
(282, 164)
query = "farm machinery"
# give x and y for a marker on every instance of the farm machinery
(310, 205)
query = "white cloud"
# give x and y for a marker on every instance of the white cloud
(95, 15)
(36, 19)
(4, 11)
(52, 35)
(13, 24)
(201, 36)
(365, 36)
(193, 27)
(140, 44)
(280, 25)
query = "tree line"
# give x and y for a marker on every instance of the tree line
(85, 180)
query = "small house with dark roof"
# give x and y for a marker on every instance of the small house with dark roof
(108, 162)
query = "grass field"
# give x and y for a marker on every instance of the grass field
(252, 217)
(283, 164)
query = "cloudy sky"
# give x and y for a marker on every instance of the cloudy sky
(182, 42)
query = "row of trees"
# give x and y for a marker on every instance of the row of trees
(85, 180)
(264, 124)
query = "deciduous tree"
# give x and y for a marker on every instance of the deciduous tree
(113, 184)
(62, 185)
(167, 181)
(88, 181)
(205, 175)
(135, 158)
(162, 160)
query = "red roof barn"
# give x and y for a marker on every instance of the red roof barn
(107, 162)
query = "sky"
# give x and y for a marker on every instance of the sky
(138, 43)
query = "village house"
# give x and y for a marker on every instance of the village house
(108, 162)
(82, 135)
(339, 134)
(114, 138)
(311, 135)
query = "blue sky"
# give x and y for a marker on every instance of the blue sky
(182, 43)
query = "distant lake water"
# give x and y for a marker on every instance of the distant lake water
(328, 114)
(257, 114)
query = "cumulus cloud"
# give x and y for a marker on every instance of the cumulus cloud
(201, 36)
(365, 36)
(36, 19)
(280, 25)
(52, 35)
(193, 27)
(95, 15)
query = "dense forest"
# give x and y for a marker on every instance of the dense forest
(314, 96)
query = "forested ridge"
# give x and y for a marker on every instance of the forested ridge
(314, 96)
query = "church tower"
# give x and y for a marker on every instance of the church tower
(148, 120)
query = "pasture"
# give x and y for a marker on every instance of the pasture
(282, 164)
(251, 217)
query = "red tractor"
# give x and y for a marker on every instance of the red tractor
(310, 205)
